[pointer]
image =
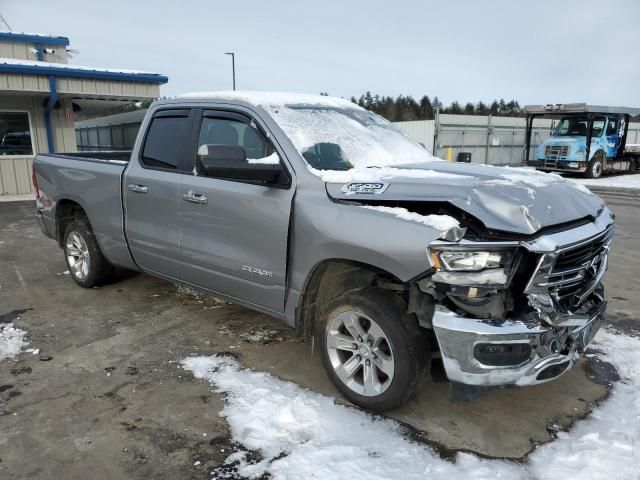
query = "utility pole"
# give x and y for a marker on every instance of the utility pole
(233, 66)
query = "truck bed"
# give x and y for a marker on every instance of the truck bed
(92, 180)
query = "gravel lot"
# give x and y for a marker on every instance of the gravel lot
(106, 396)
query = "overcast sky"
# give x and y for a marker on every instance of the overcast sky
(536, 51)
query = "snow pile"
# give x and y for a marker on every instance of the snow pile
(439, 222)
(11, 341)
(302, 434)
(621, 181)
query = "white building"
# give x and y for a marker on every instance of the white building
(41, 94)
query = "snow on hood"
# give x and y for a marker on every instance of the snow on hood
(439, 222)
(517, 200)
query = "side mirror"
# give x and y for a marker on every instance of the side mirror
(230, 162)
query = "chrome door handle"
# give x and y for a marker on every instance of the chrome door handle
(137, 188)
(194, 197)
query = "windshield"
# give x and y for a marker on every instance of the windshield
(344, 138)
(578, 126)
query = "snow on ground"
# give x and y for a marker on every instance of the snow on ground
(439, 222)
(11, 340)
(302, 434)
(618, 181)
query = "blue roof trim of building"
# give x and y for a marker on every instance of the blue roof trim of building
(34, 38)
(83, 73)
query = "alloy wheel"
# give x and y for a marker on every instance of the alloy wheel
(360, 353)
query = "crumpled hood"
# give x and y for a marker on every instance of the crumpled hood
(516, 200)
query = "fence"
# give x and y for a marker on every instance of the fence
(115, 132)
(491, 140)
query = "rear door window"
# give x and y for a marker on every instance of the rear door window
(168, 140)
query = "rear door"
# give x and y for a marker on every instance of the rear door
(234, 241)
(152, 192)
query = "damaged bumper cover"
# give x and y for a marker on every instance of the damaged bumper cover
(478, 352)
(566, 306)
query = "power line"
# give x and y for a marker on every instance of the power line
(5, 22)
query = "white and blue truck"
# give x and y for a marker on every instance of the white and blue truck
(587, 139)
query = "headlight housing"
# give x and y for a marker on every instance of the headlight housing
(470, 260)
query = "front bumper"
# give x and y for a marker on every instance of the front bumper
(552, 350)
(558, 165)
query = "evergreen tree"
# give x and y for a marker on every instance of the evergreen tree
(454, 108)
(469, 109)
(426, 109)
(482, 109)
(405, 107)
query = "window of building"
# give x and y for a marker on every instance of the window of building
(15, 135)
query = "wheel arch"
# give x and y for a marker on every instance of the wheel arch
(334, 276)
(67, 210)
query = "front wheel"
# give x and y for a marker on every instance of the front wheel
(596, 166)
(374, 352)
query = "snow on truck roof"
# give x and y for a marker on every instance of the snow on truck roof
(259, 98)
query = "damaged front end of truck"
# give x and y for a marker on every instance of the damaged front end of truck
(514, 298)
(519, 312)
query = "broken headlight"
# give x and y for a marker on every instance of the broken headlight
(470, 261)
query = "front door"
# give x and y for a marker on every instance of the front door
(234, 234)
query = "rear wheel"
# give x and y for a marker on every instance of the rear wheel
(595, 168)
(374, 352)
(87, 266)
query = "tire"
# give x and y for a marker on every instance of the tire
(380, 360)
(595, 169)
(87, 265)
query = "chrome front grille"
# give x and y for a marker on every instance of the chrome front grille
(576, 270)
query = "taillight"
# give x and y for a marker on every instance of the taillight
(35, 181)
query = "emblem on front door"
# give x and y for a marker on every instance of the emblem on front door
(257, 271)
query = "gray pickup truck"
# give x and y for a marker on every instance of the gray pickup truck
(316, 211)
